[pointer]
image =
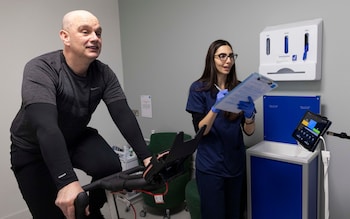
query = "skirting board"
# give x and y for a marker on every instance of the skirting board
(23, 214)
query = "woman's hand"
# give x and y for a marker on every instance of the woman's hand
(219, 96)
(248, 107)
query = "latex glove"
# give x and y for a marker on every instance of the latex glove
(248, 107)
(219, 96)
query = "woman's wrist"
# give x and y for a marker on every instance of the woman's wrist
(250, 120)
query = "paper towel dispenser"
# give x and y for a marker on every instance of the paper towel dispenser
(292, 52)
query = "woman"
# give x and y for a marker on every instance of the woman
(220, 160)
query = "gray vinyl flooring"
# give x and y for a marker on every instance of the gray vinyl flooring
(133, 211)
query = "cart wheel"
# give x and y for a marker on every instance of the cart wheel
(167, 214)
(186, 208)
(143, 213)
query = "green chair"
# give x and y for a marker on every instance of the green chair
(174, 200)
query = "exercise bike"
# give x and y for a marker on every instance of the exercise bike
(163, 168)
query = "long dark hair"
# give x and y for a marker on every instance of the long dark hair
(209, 76)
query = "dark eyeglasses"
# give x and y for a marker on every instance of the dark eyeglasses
(223, 56)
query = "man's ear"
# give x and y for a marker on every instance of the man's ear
(64, 35)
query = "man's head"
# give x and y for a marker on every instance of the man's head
(81, 36)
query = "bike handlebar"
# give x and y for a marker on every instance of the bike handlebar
(161, 169)
(80, 204)
(131, 179)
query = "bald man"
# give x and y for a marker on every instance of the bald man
(50, 134)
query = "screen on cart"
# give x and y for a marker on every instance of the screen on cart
(309, 130)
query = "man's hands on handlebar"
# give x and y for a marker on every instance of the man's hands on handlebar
(65, 199)
(68, 195)
(146, 161)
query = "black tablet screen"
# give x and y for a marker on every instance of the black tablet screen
(310, 129)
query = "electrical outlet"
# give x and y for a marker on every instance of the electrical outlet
(136, 112)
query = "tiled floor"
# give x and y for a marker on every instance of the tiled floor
(133, 212)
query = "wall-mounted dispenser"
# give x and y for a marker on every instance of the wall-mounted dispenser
(292, 52)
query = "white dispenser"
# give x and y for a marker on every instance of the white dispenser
(292, 52)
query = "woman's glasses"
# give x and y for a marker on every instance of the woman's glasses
(223, 56)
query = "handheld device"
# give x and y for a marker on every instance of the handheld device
(309, 130)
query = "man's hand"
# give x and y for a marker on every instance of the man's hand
(65, 199)
(146, 161)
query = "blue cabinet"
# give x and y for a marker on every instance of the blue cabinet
(283, 178)
(282, 187)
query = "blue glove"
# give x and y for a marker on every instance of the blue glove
(248, 107)
(219, 96)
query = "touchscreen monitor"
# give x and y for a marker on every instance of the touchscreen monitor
(309, 130)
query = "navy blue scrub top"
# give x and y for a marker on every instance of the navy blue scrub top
(221, 152)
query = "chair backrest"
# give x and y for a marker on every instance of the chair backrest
(161, 141)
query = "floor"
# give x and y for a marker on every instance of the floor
(134, 209)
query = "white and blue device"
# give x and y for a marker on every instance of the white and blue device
(292, 52)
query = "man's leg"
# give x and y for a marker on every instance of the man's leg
(94, 156)
(35, 183)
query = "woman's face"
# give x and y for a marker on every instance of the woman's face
(224, 59)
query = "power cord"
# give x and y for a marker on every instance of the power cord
(340, 135)
(325, 159)
(158, 197)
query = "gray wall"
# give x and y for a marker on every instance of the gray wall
(164, 44)
(30, 28)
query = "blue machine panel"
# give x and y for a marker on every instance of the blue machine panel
(277, 189)
(313, 188)
(283, 113)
